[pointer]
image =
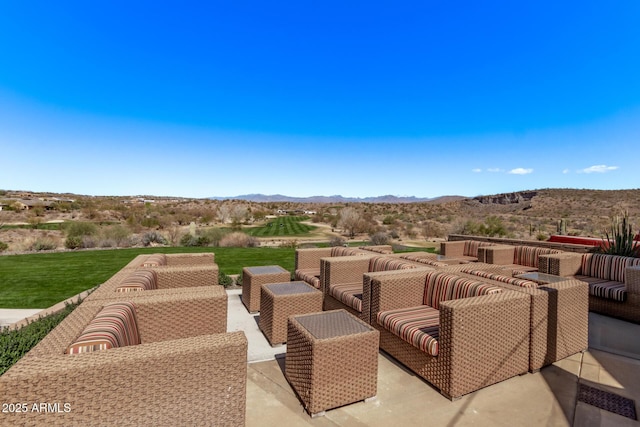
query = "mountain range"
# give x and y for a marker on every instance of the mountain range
(339, 199)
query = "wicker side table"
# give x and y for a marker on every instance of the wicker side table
(254, 277)
(278, 301)
(331, 360)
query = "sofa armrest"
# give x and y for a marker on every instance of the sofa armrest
(632, 279)
(201, 259)
(190, 381)
(565, 264)
(186, 276)
(485, 337)
(310, 257)
(452, 249)
(498, 254)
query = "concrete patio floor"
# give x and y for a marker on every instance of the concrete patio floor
(546, 398)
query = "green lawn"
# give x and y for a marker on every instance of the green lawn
(284, 226)
(42, 280)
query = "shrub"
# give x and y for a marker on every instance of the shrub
(43, 244)
(73, 242)
(380, 238)
(224, 280)
(15, 343)
(337, 241)
(116, 235)
(239, 240)
(190, 240)
(621, 240)
(3, 246)
(293, 244)
(153, 237)
(78, 228)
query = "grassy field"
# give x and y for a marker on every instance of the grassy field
(285, 226)
(42, 280)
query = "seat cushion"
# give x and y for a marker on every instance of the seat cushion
(419, 326)
(609, 289)
(115, 325)
(350, 294)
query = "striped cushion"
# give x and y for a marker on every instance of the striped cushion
(155, 260)
(344, 251)
(380, 263)
(114, 326)
(419, 326)
(596, 265)
(528, 255)
(605, 288)
(618, 266)
(424, 259)
(443, 287)
(350, 294)
(501, 278)
(311, 276)
(139, 280)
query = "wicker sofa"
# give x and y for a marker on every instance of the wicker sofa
(614, 281)
(460, 335)
(173, 260)
(519, 258)
(342, 280)
(559, 312)
(463, 249)
(307, 261)
(182, 368)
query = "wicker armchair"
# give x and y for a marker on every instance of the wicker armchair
(479, 340)
(614, 281)
(307, 262)
(559, 312)
(463, 249)
(515, 258)
(183, 372)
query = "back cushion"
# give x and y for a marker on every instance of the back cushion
(528, 255)
(597, 265)
(155, 260)
(444, 287)
(343, 251)
(619, 264)
(379, 263)
(115, 325)
(139, 280)
(501, 278)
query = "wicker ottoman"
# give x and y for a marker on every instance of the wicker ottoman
(254, 277)
(278, 301)
(331, 360)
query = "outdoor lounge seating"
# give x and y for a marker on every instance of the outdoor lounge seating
(515, 258)
(559, 312)
(307, 262)
(173, 260)
(614, 281)
(342, 280)
(463, 249)
(458, 334)
(181, 368)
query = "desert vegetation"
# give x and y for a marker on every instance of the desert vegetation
(38, 222)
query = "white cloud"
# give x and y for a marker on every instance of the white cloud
(495, 170)
(476, 170)
(565, 171)
(598, 169)
(520, 171)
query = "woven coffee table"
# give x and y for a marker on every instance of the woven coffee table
(254, 277)
(331, 360)
(279, 301)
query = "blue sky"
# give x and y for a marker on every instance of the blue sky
(424, 99)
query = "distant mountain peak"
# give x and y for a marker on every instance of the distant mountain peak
(337, 199)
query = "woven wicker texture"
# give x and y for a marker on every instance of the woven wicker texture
(183, 372)
(338, 370)
(281, 300)
(254, 277)
(482, 340)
